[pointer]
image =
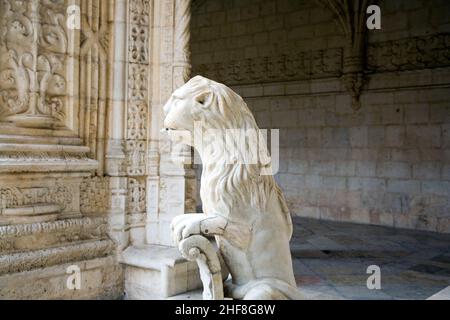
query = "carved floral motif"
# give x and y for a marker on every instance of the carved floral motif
(137, 120)
(138, 46)
(139, 12)
(33, 47)
(137, 82)
(137, 104)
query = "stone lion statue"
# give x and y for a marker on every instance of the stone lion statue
(244, 208)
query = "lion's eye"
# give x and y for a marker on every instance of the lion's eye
(201, 98)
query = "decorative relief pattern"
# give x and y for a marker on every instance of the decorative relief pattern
(136, 196)
(26, 156)
(138, 46)
(139, 12)
(135, 157)
(62, 231)
(296, 66)
(410, 54)
(137, 120)
(33, 54)
(94, 195)
(12, 197)
(138, 82)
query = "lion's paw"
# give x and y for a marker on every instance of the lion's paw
(186, 225)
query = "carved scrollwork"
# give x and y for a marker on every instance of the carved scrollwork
(13, 197)
(32, 60)
(138, 83)
(410, 54)
(294, 66)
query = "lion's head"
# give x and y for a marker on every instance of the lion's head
(219, 108)
(207, 101)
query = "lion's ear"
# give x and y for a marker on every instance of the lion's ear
(203, 98)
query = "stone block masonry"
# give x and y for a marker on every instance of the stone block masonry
(386, 163)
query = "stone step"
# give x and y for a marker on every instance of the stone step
(190, 295)
(157, 272)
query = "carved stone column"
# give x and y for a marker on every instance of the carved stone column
(171, 188)
(182, 65)
(137, 115)
(115, 152)
(163, 184)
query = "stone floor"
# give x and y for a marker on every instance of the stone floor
(330, 261)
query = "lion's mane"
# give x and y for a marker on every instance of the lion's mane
(221, 108)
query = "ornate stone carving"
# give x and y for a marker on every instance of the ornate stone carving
(410, 54)
(28, 204)
(45, 234)
(136, 196)
(137, 82)
(29, 156)
(137, 120)
(33, 48)
(11, 197)
(135, 157)
(137, 109)
(294, 66)
(54, 78)
(139, 12)
(94, 195)
(138, 44)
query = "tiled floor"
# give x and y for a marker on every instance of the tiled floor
(331, 259)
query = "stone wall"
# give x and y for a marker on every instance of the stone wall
(385, 162)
